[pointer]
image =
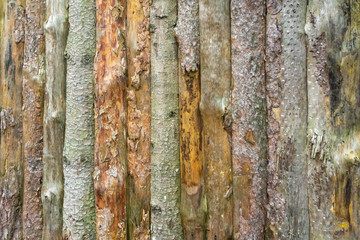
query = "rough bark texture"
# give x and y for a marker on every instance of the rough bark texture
(12, 55)
(287, 117)
(333, 85)
(110, 120)
(165, 164)
(193, 202)
(33, 109)
(215, 112)
(79, 203)
(138, 125)
(249, 118)
(54, 119)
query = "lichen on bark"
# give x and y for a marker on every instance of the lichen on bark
(79, 203)
(165, 164)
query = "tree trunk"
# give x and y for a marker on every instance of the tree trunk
(249, 118)
(193, 202)
(33, 111)
(214, 106)
(138, 120)
(333, 126)
(12, 55)
(52, 192)
(79, 203)
(287, 117)
(165, 164)
(110, 120)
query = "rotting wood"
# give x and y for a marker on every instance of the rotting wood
(138, 118)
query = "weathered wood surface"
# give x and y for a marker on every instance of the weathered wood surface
(11, 154)
(193, 202)
(52, 193)
(110, 120)
(287, 209)
(138, 118)
(214, 17)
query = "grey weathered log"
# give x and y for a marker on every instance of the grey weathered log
(79, 202)
(165, 161)
(56, 28)
(287, 208)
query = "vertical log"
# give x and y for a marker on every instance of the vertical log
(325, 28)
(33, 109)
(165, 164)
(52, 192)
(110, 120)
(287, 117)
(12, 55)
(193, 202)
(249, 141)
(79, 203)
(333, 79)
(138, 118)
(214, 106)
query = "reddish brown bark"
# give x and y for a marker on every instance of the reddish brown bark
(33, 105)
(249, 118)
(110, 120)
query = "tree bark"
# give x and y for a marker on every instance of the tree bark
(287, 118)
(165, 164)
(110, 120)
(249, 118)
(79, 203)
(12, 55)
(52, 192)
(215, 111)
(138, 118)
(333, 126)
(33, 111)
(193, 201)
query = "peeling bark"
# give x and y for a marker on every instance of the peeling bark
(333, 83)
(138, 118)
(79, 203)
(110, 120)
(165, 164)
(249, 118)
(214, 107)
(287, 117)
(33, 109)
(193, 202)
(12, 57)
(52, 192)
